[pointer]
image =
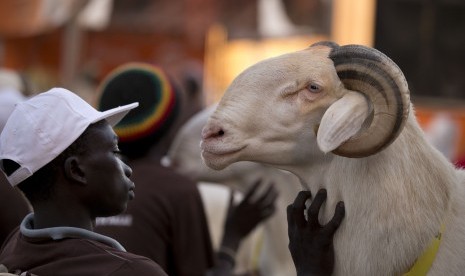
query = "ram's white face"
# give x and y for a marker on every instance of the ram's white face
(270, 112)
(184, 155)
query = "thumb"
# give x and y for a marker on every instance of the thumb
(231, 202)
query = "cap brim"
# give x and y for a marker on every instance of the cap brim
(114, 115)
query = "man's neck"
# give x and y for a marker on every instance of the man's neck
(49, 215)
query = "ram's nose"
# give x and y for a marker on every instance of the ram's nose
(212, 131)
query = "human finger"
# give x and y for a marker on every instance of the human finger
(296, 210)
(231, 202)
(314, 208)
(336, 221)
(252, 190)
(268, 197)
(290, 217)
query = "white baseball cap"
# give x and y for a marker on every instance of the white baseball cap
(42, 127)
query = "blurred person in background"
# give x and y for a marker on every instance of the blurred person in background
(13, 206)
(167, 221)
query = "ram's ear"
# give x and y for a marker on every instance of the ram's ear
(343, 119)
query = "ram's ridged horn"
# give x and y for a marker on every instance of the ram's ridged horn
(372, 73)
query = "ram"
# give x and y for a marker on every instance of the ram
(340, 118)
(184, 156)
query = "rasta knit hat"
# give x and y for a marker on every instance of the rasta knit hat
(42, 127)
(158, 100)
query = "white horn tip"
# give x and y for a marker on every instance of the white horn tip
(325, 145)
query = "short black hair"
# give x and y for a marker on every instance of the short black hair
(39, 186)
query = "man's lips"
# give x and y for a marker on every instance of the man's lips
(131, 192)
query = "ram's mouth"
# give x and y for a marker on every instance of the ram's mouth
(218, 158)
(212, 150)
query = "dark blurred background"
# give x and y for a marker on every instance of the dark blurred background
(206, 43)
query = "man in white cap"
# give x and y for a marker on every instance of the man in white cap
(63, 155)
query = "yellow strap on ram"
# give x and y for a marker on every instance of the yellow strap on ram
(256, 253)
(425, 261)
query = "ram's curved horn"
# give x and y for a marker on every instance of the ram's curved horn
(370, 72)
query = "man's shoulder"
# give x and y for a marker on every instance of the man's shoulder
(108, 253)
(139, 266)
(126, 263)
(83, 256)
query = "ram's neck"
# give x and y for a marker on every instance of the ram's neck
(395, 201)
(312, 173)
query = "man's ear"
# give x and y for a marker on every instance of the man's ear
(73, 170)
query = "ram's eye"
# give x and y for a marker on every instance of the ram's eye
(314, 88)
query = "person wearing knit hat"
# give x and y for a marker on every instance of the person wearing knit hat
(169, 213)
(167, 222)
(63, 155)
(159, 105)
